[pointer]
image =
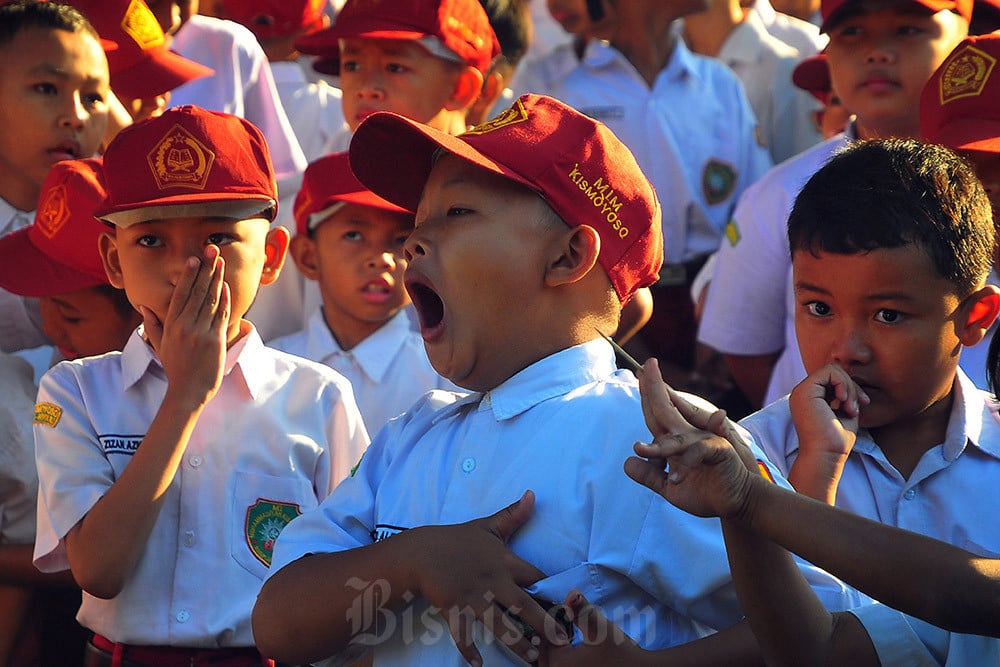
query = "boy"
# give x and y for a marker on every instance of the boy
(880, 56)
(531, 231)
(350, 241)
(187, 452)
(53, 106)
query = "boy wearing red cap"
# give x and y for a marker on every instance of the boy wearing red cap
(880, 55)
(189, 451)
(531, 232)
(53, 106)
(350, 242)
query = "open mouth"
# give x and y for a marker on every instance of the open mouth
(66, 150)
(429, 306)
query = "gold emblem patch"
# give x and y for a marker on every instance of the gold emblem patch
(53, 212)
(965, 74)
(512, 116)
(141, 25)
(47, 414)
(732, 233)
(180, 161)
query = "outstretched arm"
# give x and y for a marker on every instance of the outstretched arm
(466, 571)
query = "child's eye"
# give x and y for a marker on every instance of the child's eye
(220, 239)
(149, 241)
(818, 308)
(395, 68)
(458, 210)
(887, 316)
(401, 240)
(93, 99)
(349, 66)
(353, 236)
(910, 30)
(849, 31)
(45, 88)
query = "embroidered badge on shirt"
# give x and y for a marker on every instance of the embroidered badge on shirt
(141, 25)
(180, 160)
(47, 414)
(53, 212)
(765, 472)
(965, 74)
(732, 233)
(265, 521)
(512, 116)
(717, 181)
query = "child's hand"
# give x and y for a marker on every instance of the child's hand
(825, 409)
(706, 473)
(191, 341)
(604, 643)
(468, 572)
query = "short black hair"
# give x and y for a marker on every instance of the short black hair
(25, 14)
(511, 22)
(894, 192)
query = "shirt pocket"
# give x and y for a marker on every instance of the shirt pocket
(262, 506)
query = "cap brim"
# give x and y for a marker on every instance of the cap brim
(27, 271)
(388, 138)
(184, 206)
(970, 135)
(157, 73)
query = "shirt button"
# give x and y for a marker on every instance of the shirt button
(910, 493)
(469, 464)
(182, 616)
(195, 461)
(189, 538)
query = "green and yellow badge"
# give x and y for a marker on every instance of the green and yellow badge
(718, 180)
(265, 521)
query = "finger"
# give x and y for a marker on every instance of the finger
(651, 476)
(507, 521)
(182, 290)
(511, 629)
(223, 311)
(152, 326)
(660, 412)
(208, 287)
(594, 626)
(460, 623)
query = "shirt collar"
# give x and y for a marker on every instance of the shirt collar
(376, 353)
(745, 41)
(12, 219)
(139, 358)
(287, 72)
(555, 375)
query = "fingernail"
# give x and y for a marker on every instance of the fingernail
(531, 654)
(193, 262)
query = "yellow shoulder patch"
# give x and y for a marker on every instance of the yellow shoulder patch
(47, 414)
(732, 233)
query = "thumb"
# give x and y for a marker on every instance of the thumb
(506, 522)
(593, 624)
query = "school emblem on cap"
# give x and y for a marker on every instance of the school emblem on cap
(180, 161)
(53, 212)
(965, 74)
(47, 414)
(512, 116)
(140, 24)
(265, 521)
(717, 181)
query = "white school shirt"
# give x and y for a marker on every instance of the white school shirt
(388, 370)
(750, 307)
(803, 36)
(20, 320)
(950, 496)
(561, 427)
(18, 479)
(314, 108)
(764, 64)
(693, 134)
(278, 436)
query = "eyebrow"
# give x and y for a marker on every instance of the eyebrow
(877, 296)
(63, 304)
(56, 70)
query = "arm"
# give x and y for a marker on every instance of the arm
(16, 569)
(464, 570)
(105, 545)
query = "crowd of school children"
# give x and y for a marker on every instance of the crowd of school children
(319, 319)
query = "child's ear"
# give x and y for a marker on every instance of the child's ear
(303, 252)
(574, 256)
(979, 311)
(275, 249)
(107, 245)
(468, 85)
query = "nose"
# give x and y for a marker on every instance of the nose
(384, 260)
(415, 246)
(850, 347)
(371, 87)
(75, 114)
(880, 52)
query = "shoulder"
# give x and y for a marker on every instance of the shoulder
(789, 176)
(293, 343)
(302, 371)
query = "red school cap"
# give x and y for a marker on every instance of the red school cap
(188, 162)
(831, 10)
(581, 169)
(327, 185)
(456, 30)
(268, 19)
(812, 75)
(57, 253)
(959, 105)
(142, 66)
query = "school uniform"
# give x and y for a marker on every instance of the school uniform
(950, 496)
(388, 370)
(764, 64)
(277, 437)
(561, 427)
(314, 108)
(18, 479)
(750, 307)
(803, 36)
(20, 321)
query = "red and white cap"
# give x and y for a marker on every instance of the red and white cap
(328, 185)
(268, 19)
(960, 103)
(581, 169)
(457, 30)
(142, 66)
(831, 10)
(57, 253)
(188, 162)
